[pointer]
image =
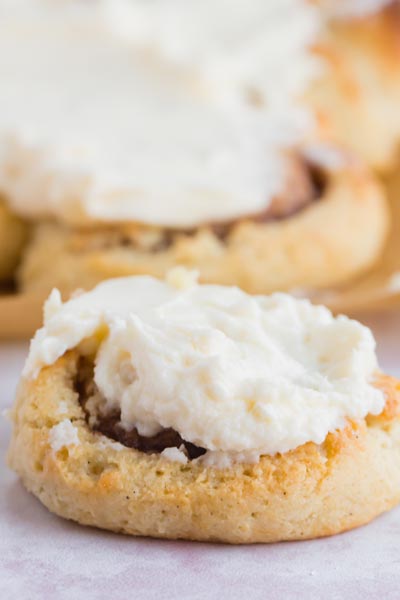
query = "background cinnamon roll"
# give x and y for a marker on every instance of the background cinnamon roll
(358, 93)
(141, 149)
(13, 236)
(328, 224)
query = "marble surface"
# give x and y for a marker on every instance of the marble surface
(42, 556)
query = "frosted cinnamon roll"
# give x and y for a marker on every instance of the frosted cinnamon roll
(328, 224)
(141, 149)
(174, 410)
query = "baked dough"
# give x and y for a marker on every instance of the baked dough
(13, 233)
(309, 492)
(333, 239)
(358, 97)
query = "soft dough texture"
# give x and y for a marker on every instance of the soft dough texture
(309, 492)
(329, 242)
(358, 96)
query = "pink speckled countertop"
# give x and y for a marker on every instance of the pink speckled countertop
(42, 556)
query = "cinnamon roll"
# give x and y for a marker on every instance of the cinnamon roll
(328, 224)
(175, 410)
(140, 149)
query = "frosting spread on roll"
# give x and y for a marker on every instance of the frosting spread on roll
(237, 375)
(166, 113)
(237, 48)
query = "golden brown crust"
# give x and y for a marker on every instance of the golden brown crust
(309, 492)
(358, 96)
(327, 243)
(13, 234)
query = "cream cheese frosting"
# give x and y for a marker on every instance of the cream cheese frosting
(63, 434)
(238, 375)
(235, 47)
(166, 113)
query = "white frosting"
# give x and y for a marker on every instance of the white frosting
(175, 454)
(139, 111)
(228, 371)
(62, 435)
(233, 46)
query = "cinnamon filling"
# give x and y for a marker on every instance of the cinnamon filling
(304, 185)
(109, 424)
